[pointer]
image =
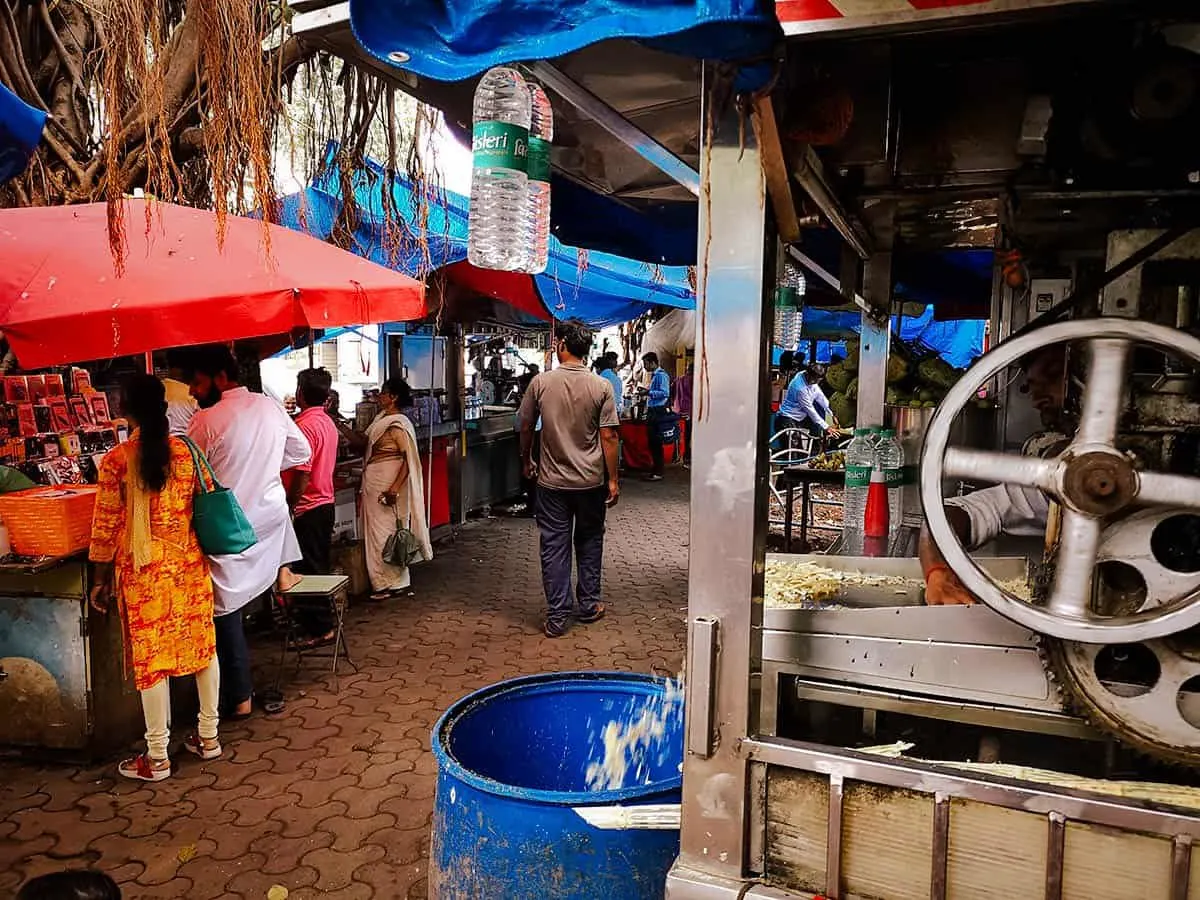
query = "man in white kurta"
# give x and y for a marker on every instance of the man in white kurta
(249, 440)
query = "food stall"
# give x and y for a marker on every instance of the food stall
(1053, 134)
(801, 776)
(62, 669)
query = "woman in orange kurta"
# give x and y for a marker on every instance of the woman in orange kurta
(147, 556)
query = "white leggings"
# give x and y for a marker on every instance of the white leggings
(156, 707)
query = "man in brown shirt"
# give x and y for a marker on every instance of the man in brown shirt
(576, 474)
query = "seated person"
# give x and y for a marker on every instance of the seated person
(981, 517)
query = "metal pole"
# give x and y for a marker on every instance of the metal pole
(728, 482)
(874, 341)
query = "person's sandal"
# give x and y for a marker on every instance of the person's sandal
(587, 617)
(143, 768)
(205, 748)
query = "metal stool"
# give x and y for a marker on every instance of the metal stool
(330, 589)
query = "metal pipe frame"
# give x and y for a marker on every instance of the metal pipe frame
(617, 125)
(810, 173)
(729, 482)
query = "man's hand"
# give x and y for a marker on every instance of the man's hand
(614, 492)
(530, 470)
(942, 588)
(98, 600)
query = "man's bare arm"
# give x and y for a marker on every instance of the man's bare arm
(611, 442)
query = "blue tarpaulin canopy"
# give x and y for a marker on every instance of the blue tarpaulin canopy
(958, 342)
(20, 130)
(452, 40)
(598, 288)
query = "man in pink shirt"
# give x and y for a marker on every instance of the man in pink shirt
(310, 494)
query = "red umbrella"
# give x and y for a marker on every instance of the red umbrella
(61, 299)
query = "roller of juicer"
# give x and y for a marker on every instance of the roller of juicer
(1091, 479)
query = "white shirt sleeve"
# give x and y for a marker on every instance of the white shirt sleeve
(296, 450)
(1007, 509)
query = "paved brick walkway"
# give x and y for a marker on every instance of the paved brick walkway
(333, 798)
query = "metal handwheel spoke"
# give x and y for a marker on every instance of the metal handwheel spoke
(1094, 482)
(1104, 391)
(1002, 468)
(1078, 547)
(1158, 489)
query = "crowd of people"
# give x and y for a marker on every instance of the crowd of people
(198, 430)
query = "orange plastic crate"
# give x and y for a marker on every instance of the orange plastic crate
(49, 521)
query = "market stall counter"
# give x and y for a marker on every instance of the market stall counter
(62, 667)
(492, 468)
(635, 446)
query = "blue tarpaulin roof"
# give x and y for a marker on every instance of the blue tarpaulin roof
(20, 130)
(599, 288)
(452, 40)
(958, 342)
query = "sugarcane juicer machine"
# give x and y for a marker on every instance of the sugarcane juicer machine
(1108, 643)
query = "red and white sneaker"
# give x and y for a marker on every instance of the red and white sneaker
(143, 768)
(205, 748)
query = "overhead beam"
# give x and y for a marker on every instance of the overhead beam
(826, 276)
(810, 173)
(779, 185)
(313, 23)
(617, 125)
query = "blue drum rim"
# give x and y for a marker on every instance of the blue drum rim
(448, 765)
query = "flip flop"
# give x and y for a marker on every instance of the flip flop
(271, 702)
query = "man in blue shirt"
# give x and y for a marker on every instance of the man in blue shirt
(658, 396)
(606, 367)
(804, 405)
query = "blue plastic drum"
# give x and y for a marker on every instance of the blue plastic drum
(513, 762)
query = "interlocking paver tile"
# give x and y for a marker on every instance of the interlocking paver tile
(337, 867)
(334, 797)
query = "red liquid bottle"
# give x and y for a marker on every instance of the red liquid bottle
(876, 517)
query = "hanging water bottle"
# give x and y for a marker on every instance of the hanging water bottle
(789, 307)
(497, 237)
(541, 133)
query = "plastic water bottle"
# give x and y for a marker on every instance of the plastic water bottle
(890, 459)
(497, 235)
(860, 460)
(541, 133)
(789, 307)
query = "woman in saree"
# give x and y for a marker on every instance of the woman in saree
(393, 489)
(145, 554)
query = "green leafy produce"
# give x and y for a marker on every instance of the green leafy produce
(897, 368)
(851, 360)
(929, 404)
(851, 390)
(937, 373)
(926, 394)
(893, 397)
(839, 377)
(844, 408)
(914, 404)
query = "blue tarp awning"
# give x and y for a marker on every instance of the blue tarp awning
(958, 342)
(20, 130)
(452, 40)
(598, 288)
